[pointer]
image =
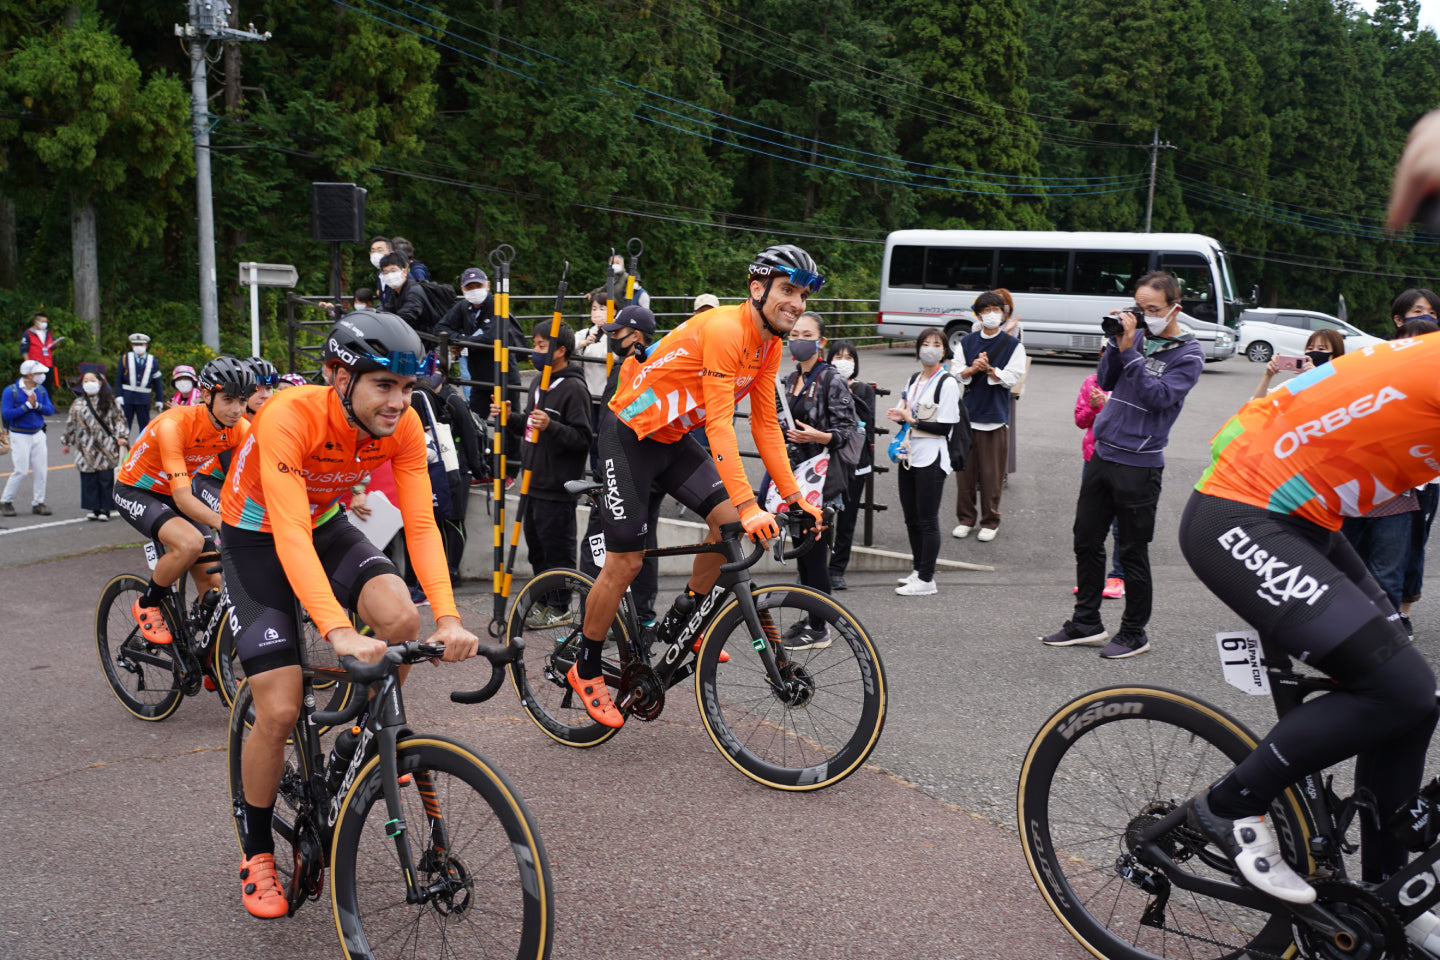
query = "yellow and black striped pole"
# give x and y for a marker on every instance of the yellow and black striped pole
(609, 307)
(526, 450)
(500, 258)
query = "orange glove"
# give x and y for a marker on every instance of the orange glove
(757, 523)
(808, 507)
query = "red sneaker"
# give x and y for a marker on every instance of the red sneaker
(152, 623)
(1114, 589)
(596, 697)
(260, 888)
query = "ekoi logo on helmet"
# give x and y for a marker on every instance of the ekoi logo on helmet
(341, 354)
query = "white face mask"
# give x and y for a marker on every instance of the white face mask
(184, 386)
(991, 320)
(41, 325)
(139, 350)
(477, 296)
(931, 355)
(395, 279)
(1157, 325)
(91, 387)
(375, 259)
(844, 366)
(39, 378)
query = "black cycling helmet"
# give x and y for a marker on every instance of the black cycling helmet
(230, 376)
(265, 373)
(369, 340)
(787, 260)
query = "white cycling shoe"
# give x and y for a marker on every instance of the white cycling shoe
(1252, 844)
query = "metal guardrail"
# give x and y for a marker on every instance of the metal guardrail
(301, 354)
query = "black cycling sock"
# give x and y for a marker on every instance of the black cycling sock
(152, 595)
(588, 666)
(1232, 800)
(255, 834)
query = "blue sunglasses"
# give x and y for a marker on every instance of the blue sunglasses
(804, 278)
(269, 380)
(406, 364)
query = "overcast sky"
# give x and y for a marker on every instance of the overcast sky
(1429, 13)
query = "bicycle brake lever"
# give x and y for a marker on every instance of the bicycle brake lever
(779, 548)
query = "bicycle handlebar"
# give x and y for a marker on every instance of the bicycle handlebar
(499, 655)
(413, 652)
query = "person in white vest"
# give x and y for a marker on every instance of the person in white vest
(141, 384)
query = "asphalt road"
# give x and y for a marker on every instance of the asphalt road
(117, 840)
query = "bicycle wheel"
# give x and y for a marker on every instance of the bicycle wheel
(551, 646)
(819, 729)
(141, 674)
(1113, 761)
(292, 832)
(477, 855)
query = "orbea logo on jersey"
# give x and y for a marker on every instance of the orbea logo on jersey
(1279, 581)
(1293, 440)
(239, 464)
(656, 365)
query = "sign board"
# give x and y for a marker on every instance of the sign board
(268, 275)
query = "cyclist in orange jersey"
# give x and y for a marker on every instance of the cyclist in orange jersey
(154, 490)
(285, 538)
(1262, 531)
(693, 378)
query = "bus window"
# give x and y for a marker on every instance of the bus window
(1197, 283)
(907, 267)
(957, 268)
(1107, 274)
(1033, 271)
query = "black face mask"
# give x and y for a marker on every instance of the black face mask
(1318, 357)
(620, 350)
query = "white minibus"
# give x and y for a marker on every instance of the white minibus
(1063, 283)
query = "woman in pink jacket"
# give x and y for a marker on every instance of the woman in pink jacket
(1087, 405)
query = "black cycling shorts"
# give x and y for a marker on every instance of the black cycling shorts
(264, 608)
(628, 468)
(148, 511)
(1294, 581)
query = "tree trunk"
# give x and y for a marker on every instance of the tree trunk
(9, 250)
(85, 262)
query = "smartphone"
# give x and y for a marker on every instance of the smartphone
(1288, 363)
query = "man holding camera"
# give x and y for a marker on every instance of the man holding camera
(1149, 365)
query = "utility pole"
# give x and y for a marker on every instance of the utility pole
(1155, 147)
(209, 20)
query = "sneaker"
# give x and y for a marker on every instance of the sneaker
(7, 509)
(987, 534)
(1126, 645)
(1409, 629)
(1072, 635)
(538, 616)
(917, 588)
(961, 531)
(152, 623)
(555, 617)
(1114, 589)
(805, 637)
(102, 516)
(41, 509)
(417, 596)
(92, 515)
(1251, 843)
(837, 581)
(260, 888)
(910, 577)
(596, 697)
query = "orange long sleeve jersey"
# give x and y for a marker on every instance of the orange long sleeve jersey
(694, 377)
(176, 445)
(302, 455)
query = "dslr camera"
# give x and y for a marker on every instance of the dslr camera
(1110, 325)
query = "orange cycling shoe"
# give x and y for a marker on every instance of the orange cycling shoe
(724, 657)
(152, 623)
(597, 698)
(260, 888)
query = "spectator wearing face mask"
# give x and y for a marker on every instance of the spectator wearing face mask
(141, 385)
(187, 394)
(379, 248)
(475, 312)
(407, 299)
(37, 343)
(991, 362)
(1319, 348)
(96, 429)
(1417, 303)
(418, 270)
(846, 360)
(24, 406)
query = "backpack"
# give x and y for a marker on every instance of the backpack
(957, 441)
(440, 297)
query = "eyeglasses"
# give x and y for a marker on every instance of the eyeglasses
(406, 364)
(803, 278)
(268, 380)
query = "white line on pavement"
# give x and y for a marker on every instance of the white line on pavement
(42, 526)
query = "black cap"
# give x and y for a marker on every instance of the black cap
(473, 275)
(635, 317)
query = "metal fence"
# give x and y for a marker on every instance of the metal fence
(841, 317)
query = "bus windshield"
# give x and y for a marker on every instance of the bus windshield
(1225, 276)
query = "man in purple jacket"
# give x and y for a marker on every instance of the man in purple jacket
(1148, 373)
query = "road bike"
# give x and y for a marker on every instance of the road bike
(1103, 798)
(150, 679)
(790, 719)
(431, 849)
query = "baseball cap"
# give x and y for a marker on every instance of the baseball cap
(635, 317)
(705, 300)
(32, 366)
(473, 275)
